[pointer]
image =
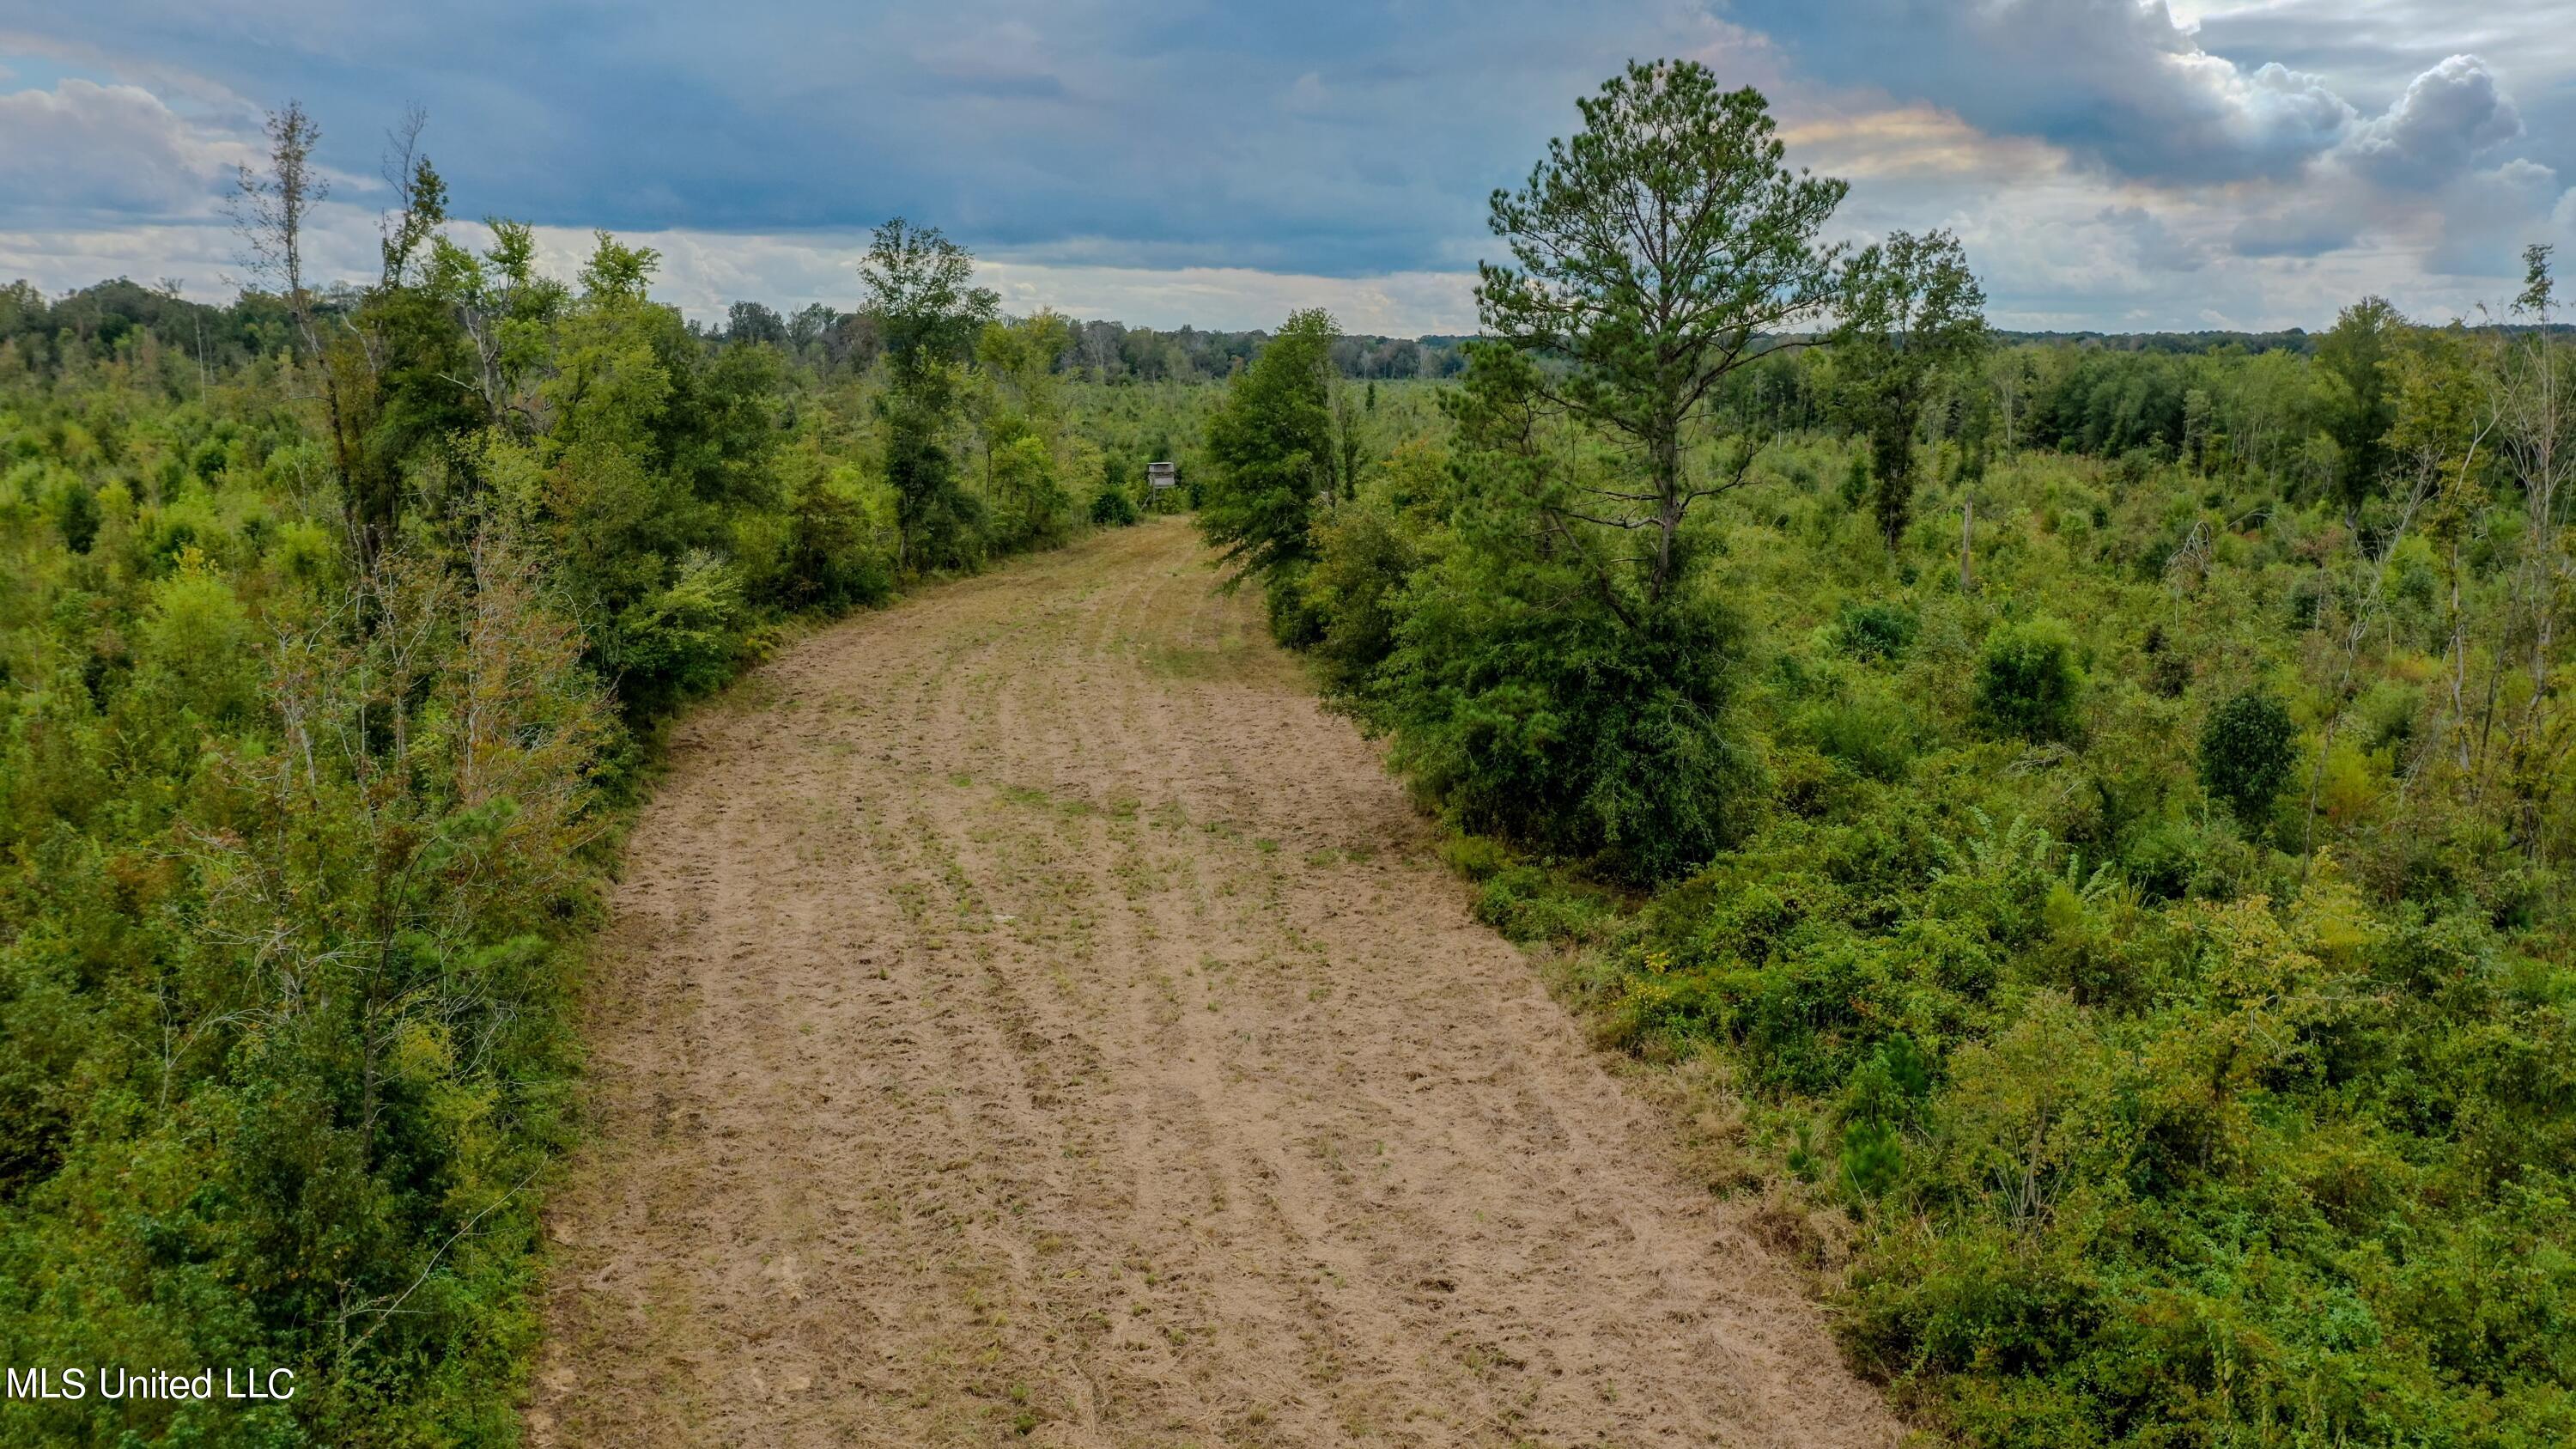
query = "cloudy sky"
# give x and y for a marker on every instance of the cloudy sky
(2110, 164)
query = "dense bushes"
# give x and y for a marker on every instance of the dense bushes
(1112, 508)
(1277, 457)
(334, 872)
(1875, 630)
(2129, 1126)
(2245, 753)
(1565, 729)
(2151, 1132)
(2027, 680)
(2133, 1127)
(302, 812)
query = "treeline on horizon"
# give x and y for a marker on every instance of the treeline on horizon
(827, 339)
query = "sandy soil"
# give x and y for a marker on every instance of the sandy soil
(1026, 1013)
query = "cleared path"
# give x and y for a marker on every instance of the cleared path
(1026, 1013)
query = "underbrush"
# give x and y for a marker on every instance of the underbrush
(2106, 1113)
(307, 793)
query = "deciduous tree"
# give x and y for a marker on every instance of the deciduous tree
(920, 287)
(1273, 447)
(1911, 310)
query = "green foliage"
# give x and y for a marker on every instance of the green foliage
(2146, 1130)
(832, 561)
(1541, 678)
(1910, 309)
(76, 516)
(2028, 682)
(2245, 753)
(1871, 733)
(1855, 485)
(327, 651)
(1365, 551)
(2355, 357)
(929, 314)
(1030, 503)
(1112, 508)
(2142, 1129)
(1274, 456)
(1652, 248)
(1872, 1158)
(347, 902)
(682, 639)
(1566, 728)
(1875, 630)
(1524, 903)
(920, 288)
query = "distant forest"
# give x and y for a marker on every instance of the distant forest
(829, 339)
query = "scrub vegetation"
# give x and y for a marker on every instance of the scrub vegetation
(2086, 824)
(337, 627)
(2083, 825)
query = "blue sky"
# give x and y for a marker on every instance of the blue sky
(2109, 164)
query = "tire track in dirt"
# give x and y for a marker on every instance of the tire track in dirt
(1026, 1014)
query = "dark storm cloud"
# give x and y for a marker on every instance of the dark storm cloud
(1328, 139)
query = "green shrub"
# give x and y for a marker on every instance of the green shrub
(2386, 713)
(1814, 1016)
(76, 516)
(1477, 857)
(681, 641)
(1112, 508)
(1872, 735)
(833, 562)
(1294, 620)
(1526, 904)
(1872, 1158)
(2027, 681)
(1573, 732)
(2245, 753)
(196, 636)
(1875, 630)
(1363, 559)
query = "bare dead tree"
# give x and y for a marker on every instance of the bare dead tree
(2365, 609)
(269, 209)
(2535, 411)
(420, 197)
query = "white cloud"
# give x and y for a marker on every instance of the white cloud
(2447, 116)
(2487, 217)
(702, 273)
(85, 149)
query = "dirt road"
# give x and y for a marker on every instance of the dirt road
(1027, 1014)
